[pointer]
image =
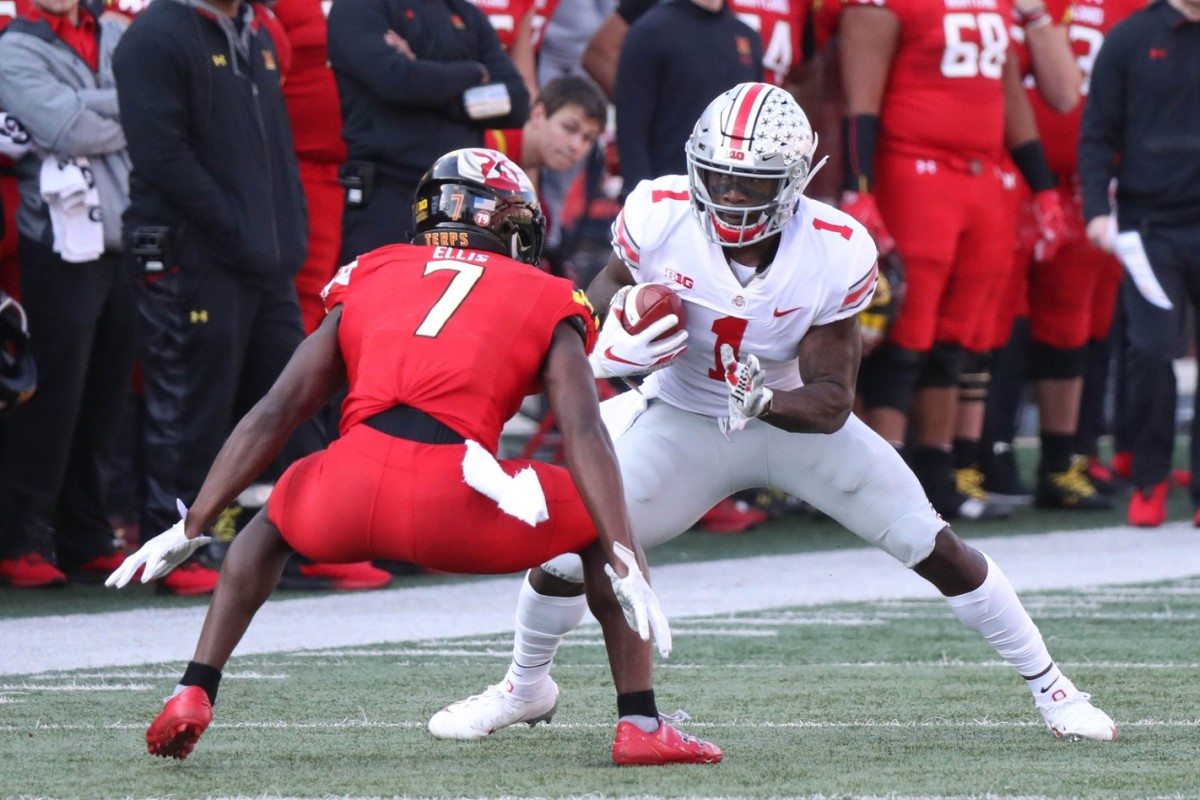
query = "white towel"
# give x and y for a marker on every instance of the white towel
(70, 192)
(14, 139)
(519, 496)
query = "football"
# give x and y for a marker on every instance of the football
(647, 303)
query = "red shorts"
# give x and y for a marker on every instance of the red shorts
(325, 199)
(953, 222)
(1013, 301)
(373, 496)
(1073, 297)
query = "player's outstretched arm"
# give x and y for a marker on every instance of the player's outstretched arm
(829, 358)
(592, 461)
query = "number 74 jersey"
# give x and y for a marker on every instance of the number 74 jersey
(824, 270)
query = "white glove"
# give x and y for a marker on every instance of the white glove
(160, 555)
(748, 398)
(642, 611)
(620, 354)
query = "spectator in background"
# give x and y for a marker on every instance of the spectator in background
(56, 77)
(565, 120)
(513, 21)
(1141, 126)
(217, 223)
(1071, 296)
(415, 79)
(13, 145)
(674, 60)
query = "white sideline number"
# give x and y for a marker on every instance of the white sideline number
(966, 59)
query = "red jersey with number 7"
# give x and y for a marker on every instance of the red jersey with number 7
(459, 334)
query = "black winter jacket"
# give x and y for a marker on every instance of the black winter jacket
(404, 113)
(210, 140)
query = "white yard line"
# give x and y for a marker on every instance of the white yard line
(1033, 562)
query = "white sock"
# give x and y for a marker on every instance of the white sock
(995, 612)
(542, 622)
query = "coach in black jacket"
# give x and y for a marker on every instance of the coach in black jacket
(402, 68)
(218, 222)
(1141, 125)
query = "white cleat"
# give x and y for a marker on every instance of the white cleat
(1076, 719)
(481, 715)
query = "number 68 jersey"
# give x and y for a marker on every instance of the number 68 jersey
(824, 270)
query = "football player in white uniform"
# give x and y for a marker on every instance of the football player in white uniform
(760, 395)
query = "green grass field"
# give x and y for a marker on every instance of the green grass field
(883, 700)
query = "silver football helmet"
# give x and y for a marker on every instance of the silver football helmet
(756, 137)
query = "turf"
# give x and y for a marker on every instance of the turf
(884, 700)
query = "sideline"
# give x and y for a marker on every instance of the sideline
(1033, 562)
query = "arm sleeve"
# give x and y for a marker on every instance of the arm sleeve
(151, 87)
(55, 114)
(1102, 130)
(357, 48)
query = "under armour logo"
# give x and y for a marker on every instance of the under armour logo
(926, 167)
(198, 317)
(1157, 52)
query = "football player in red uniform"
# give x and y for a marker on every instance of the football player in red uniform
(1069, 296)
(926, 120)
(437, 356)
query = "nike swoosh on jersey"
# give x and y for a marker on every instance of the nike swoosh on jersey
(783, 312)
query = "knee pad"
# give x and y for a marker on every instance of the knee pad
(943, 364)
(888, 377)
(1047, 363)
(567, 567)
(975, 377)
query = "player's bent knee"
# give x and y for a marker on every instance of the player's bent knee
(567, 568)
(942, 367)
(1047, 363)
(912, 538)
(887, 379)
(975, 377)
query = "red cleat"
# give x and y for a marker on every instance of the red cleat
(635, 747)
(188, 579)
(102, 565)
(1181, 478)
(1148, 507)
(31, 571)
(732, 516)
(357, 577)
(1122, 464)
(178, 726)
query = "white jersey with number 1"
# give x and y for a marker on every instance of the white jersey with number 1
(824, 271)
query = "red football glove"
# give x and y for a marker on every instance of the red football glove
(862, 206)
(1052, 224)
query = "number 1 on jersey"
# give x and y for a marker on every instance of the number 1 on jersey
(729, 330)
(456, 292)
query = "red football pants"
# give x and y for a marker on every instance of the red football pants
(953, 222)
(372, 496)
(1073, 297)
